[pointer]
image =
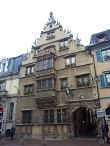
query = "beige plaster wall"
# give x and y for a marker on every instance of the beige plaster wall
(12, 86)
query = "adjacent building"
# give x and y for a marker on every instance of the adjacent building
(9, 91)
(58, 91)
(99, 49)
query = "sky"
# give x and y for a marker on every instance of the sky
(21, 21)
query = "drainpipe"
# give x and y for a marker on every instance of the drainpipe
(98, 93)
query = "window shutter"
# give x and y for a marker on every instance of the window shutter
(99, 56)
(103, 83)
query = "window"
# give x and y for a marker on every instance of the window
(49, 116)
(50, 35)
(64, 115)
(100, 38)
(39, 84)
(43, 83)
(49, 83)
(45, 64)
(46, 83)
(103, 55)
(2, 86)
(29, 70)
(49, 63)
(61, 115)
(46, 116)
(64, 44)
(70, 61)
(0, 66)
(40, 65)
(105, 80)
(63, 83)
(27, 116)
(67, 61)
(83, 80)
(106, 55)
(108, 79)
(3, 67)
(28, 89)
(11, 111)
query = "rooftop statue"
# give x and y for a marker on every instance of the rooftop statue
(51, 19)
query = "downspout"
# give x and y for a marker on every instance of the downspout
(98, 93)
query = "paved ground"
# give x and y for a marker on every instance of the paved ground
(75, 142)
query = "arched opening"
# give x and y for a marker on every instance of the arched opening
(84, 123)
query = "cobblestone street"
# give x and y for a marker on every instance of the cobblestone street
(75, 142)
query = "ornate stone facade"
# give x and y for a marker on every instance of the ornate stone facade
(57, 87)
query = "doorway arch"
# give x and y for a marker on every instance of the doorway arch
(84, 122)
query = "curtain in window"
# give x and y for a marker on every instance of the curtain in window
(49, 83)
(43, 83)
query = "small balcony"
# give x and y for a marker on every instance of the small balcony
(50, 71)
(48, 51)
(43, 93)
(46, 98)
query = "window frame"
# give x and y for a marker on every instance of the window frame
(29, 69)
(11, 112)
(62, 115)
(107, 83)
(28, 89)
(28, 117)
(105, 59)
(82, 78)
(70, 59)
(62, 80)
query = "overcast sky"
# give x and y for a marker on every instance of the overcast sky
(22, 20)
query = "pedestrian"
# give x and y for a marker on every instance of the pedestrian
(12, 132)
(105, 131)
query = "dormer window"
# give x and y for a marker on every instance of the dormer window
(50, 35)
(101, 38)
(106, 55)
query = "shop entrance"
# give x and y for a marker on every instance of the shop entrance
(84, 123)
